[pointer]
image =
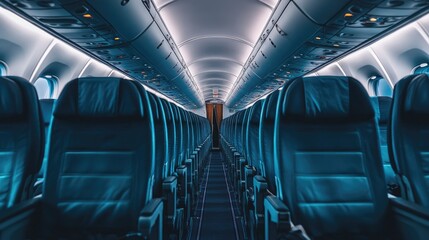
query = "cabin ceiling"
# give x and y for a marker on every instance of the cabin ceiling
(215, 37)
(231, 51)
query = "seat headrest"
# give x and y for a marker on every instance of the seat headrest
(256, 112)
(327, 98)
(417, 96)
(11, 99)
(271, 105)
(99, 97)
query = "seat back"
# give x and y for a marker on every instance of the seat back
(171, 131)
(252, 136)
(161, 144)
(409, 136)
(101, 157)
(243, 133)
(46, 106)
(382, 106)
(327, 158)
(21, 140)
(266, 137)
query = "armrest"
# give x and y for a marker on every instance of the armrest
(182, 173)
(260, 187)
(16, 220)
(277, 218)
(189, 165)
(249, 172)
(410, 219)
(169, 193)
(240, 168)
(150, 220)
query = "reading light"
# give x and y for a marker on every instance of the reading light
(373, 19)
(348, 14)
(117, 39)
(87, 15)
(318, 38)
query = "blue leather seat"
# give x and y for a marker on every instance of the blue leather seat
(252, 136)
(21, 140)
(266, 137)
(101, 158)
(171, 130)
(161, 143)
(382, 106)
(186, 133)
(327, 159)
(46, 106)
(409, 136)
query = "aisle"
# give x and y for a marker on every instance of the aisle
(216, 218)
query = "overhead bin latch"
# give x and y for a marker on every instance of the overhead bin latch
(146, 3)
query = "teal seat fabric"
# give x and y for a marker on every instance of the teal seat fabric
(171, 131)
(21, 140)
(382, 106)
(185, 136)
(161, 144)
(242, 146)
(408, 139)
(266, 137)
(328, 165)
(99, 173)
(252, 136)
(46, 106)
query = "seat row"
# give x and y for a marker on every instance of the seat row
(313, 153)
(119, 161)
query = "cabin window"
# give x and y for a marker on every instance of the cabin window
(422, 68)
(379, 86)
(3, 69)
(45, 86)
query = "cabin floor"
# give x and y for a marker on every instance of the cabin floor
(217, 215)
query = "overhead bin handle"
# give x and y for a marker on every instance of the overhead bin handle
(272, 43)
(280, 31)
(146, 3)
(160, 44)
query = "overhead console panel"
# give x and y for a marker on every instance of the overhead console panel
(123, 34)
(303, 35)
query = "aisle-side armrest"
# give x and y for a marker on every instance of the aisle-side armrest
(169, 192)
(411, 220)
(277, 218)
(182, 173)
(150, 220)
(260, 187)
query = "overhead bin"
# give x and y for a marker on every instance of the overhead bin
(312, 9)
(122, 33)
(156, 49)
(247, 83)
(283, 40)
(129, 18)
(289, 51)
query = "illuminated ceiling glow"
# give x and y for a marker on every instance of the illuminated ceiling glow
(215, 38)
